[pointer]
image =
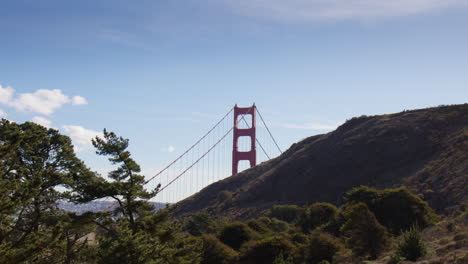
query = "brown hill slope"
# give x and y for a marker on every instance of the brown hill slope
(426, 150)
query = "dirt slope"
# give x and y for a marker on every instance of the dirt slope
(426, 150)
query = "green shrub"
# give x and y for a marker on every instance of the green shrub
(364, 234)
(298, 238)
(283, 260)
(321, 247)
(397, 209)
(274, 224)
(287, 213)
(201, 223)
(411, 245)
(316, 215)
(235, 234)
(258, 226)
(215, 252)
(266, 250)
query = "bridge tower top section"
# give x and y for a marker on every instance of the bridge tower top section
(250, 131)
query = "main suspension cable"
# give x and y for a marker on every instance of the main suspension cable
(269, 131)
(196, 143)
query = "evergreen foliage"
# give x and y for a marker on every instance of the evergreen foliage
(364, 234)
(266, 250)
(316, 215)
(34, 161)
(133, 233)
(397, 209)
(321, 247)
(236, 234)
(287, 213)
(411, 245)
(201, 223)
(215, 252)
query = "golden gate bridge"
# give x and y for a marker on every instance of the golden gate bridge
(236, 137)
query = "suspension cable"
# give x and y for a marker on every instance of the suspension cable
(256, 139)
(196, 143)
(269, 131)
(183, 172)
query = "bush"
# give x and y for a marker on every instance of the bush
(215, 252)
(283, 260)
(364, 234)
(201, 223)
(266, 250)
(258, 226)
(411, 245)
(316, 215)
(287, 213)
(274, 224)
(397, 209)
(321, 247)
(235, 234)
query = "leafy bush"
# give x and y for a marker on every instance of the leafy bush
(411, 245)
(201, 223)
(321, 247)
(235, 234)
(287, 213)
(397, 209)
(316, 215)
(283, 260)
(215, 252)
(266, 250)
(364, 234)
(259, 226)
(274, 224)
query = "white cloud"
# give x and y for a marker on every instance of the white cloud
(81, 136)
(298, 10)
(79, 100)
(307, 126)
(3, 114)
(42, 101)
(42, 121)
(168, 149)
(6, 94)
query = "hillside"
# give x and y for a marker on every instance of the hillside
(426, 150)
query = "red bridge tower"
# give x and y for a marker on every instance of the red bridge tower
(251, 155)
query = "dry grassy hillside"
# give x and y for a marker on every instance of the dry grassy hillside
(426, 150)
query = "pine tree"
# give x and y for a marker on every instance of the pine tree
(128, 186)
(34, 162)
(133, 232)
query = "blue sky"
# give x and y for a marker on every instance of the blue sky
(162, 72)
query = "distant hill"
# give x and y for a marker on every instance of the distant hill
(95, 206)
(426, 150)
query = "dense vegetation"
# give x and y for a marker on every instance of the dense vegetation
(39, 169)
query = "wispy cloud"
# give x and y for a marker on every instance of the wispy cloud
(42, 101)
(3, 114)
(297, 10)
(42, 121)
(79, 100)
(81, 137)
